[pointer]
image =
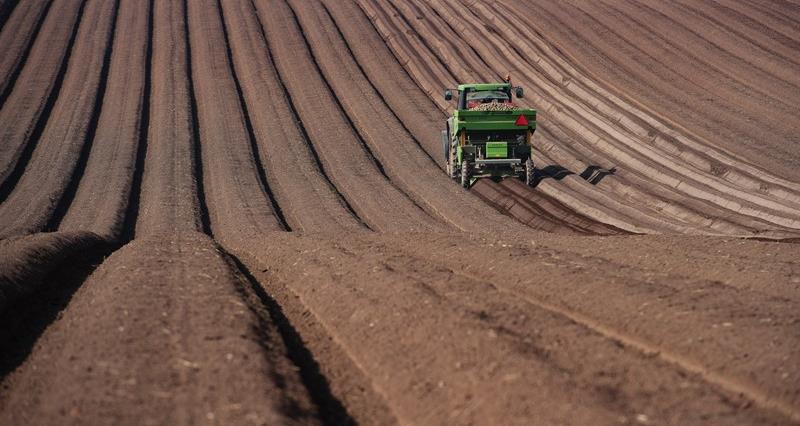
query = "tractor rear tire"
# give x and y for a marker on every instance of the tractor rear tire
(530, 175)
(466, 174)
(452, 171)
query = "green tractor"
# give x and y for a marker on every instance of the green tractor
(488, 136)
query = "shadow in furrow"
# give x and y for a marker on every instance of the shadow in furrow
(5, 11)
(134, 200)
(26, 320)
(72, 188)
(13, 178)
(301, 126)
(205, 220)
(331, 410)
(21, 64)
(262, 175)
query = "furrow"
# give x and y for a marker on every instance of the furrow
(57, 160)
(418, 115)
(645, 123)
(521, 209)
(237, 200)
(29, 259)
(741, 75)
(26, 111)
(622, 146)
(553, 207)
(75, 179)
(753, 32)
(677, 165)
(40, 274)
(603, 217)
(330, 409)
(262, 176)
(346, 160)
(308, 199)
(743, 47)
(726, 120)
(169, 319)
(171, 189)
(791, 37)
(769, 15)
(16, 41)
(404, 161)
(6, 8)
(107, 193)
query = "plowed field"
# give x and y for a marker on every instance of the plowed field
(234, 212)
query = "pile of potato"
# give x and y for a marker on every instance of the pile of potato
(495, 106)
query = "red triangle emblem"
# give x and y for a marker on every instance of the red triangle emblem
(521, 120)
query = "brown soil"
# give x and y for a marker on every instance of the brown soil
(252, 225)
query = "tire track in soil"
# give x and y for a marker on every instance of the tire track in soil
(108, 193)
(25, 114)
(16, 41)
(472, 316)
(330, 409)
(347, 161)
(57, 163)
(708, 353)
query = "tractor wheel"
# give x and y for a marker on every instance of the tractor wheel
(530, 177)
(466, 174)
(452, 171)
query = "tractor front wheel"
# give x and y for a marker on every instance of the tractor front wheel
(530, 177)
(466, 173)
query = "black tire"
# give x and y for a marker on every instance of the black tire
(466, 174)
(530, 175)
(445, 145)
(452, 170)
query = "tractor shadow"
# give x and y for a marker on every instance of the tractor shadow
(593, 174)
